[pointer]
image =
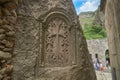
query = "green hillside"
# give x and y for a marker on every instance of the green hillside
(90, 29)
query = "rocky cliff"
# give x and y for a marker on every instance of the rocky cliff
(86, 18)
(96, 18)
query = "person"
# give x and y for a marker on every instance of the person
(101, 67)
(97, 64)
(107, 58)
(94, 64)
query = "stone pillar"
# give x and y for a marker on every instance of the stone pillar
(49, 43)
(112, 16)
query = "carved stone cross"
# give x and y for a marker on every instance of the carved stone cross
(57, 39)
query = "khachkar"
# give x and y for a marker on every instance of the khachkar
(49, 43)
(7, 31)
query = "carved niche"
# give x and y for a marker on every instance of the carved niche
(57, 43)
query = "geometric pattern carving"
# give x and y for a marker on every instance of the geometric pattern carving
(57, 45)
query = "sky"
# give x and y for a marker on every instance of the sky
(86, 5)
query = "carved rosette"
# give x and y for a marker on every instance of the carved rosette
(57, 48)
(7, 31)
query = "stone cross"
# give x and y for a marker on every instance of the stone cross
(57, 32)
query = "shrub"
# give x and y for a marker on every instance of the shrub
(94, 31)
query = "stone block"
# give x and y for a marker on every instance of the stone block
(2, 36)
(5, 55)
(2, 31)
(7, 49)
(10, 33)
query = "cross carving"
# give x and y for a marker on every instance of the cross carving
(57, 30)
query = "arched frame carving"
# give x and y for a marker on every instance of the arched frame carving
(57, 48)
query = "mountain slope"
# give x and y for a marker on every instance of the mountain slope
(92, 24)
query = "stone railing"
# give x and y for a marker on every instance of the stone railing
(7, 31)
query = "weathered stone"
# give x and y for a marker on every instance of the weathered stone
(7, 49)
(49, 43)
(2, 36)
(1, 21)
(6, 69)
(4, 22)
(10, 6)
(2, 71)
(3, 61)
(9, 68)
(9, 44)
(3, 41)
(2, 1)
(12, 19)
(10, 33)
(7, 78)
(2, 31)
(5, 55)
(1, 77)
(112, 23)
(1, 14)
(103, 5)
(6, 12)
(8, 27)
(2, 46)
(7, 21)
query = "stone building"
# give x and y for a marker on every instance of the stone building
(111, 8)
(46, 42)
(98, 46)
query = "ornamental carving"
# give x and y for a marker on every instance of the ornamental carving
(57, 44)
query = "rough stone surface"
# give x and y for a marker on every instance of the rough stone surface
(5, 55)
(49, 43)
(100, 17)
(112, 16)
(7, 22)
(98, 46)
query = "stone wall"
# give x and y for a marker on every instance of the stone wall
(49, 43)
(98, 46)
(8, 19)
(112, 23)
